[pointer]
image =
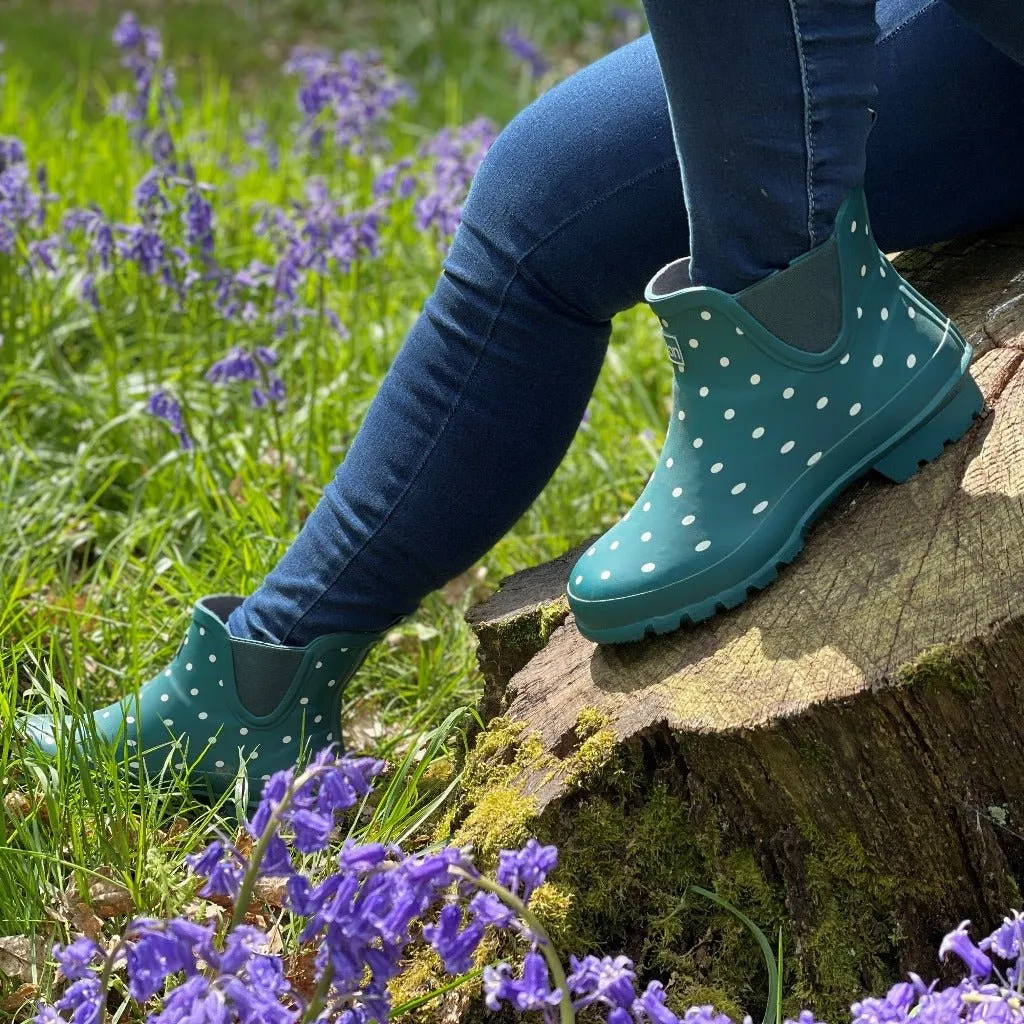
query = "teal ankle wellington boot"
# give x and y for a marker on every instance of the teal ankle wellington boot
(783, 394)
(224, 703)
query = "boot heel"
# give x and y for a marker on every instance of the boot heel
(924, 444)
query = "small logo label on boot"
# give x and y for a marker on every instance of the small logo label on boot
(675, 353)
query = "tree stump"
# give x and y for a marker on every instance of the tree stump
(842, 756)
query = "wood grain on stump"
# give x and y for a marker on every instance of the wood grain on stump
(873, 695)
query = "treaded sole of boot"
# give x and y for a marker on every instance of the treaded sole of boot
(898, 460)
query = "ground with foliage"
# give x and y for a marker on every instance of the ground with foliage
(140, 246)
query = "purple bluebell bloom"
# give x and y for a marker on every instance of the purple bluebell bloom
(97, 231)
(87, 291)
(455, 157)
(20, 204)
(167, 408)
(142, 56)
(960, 944)
(221, 866)
(602, 980)
(650, 1006)
(347, 99)
(150, 200)
(1007, 941)
(531, 991)
(394, 180)
(85, 1000)
(237, 365)
(12, 151)
(455, 944)
(488, 910)
(127, 34)
(43, 253)
(143, 246)
(523, 871)
(519, 46)
(199, 222)
(160, 949)
(77, 959)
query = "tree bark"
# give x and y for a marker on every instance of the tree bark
(844, 753)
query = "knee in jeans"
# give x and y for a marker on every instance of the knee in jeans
(513, 197)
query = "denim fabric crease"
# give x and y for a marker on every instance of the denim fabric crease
(583, 198)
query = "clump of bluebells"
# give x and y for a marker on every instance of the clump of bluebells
(165, 259)
(377, 899)
(153, 101)
(345, 100)
(359, 921)
(242, 365)
(992, 991)
(454, 157)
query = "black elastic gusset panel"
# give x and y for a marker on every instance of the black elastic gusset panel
(263, 674)
(802, 305)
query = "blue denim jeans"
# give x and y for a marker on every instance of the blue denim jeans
(578, 203)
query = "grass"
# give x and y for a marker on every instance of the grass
(108, 533)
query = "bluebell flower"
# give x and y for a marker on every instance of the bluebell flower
(488, 910)
(347, 99)
(394, 180)
(522, 871)
(165, 407)
(221, 867)
(142, 56)
(454, 944)
(43, 253)
(150, 200)
(85, 999)
(651, 1006)
(97, 231)
(196, 1001)
(521, 47)
(455, 157)
(77, 959)
(12, 151)
(199, 222)
(127, 34)
(602, 980)
(144, 247)
(237, 365)
(160, 950)
(531, 991)
(959, 943)
(20, 204)
(1007, 941)
(311, 829)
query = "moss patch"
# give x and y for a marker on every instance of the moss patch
(631, 842)
(952, 665)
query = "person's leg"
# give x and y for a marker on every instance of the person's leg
(823, 363)
(585, 186)
(1001, 22)
(945, 155)
(561, 230)
(770, 108)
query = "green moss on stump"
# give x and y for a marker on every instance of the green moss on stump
(953, 665)
(631, 843)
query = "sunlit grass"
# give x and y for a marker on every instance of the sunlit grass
(109, 533)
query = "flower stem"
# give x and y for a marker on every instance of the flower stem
(252, 872)
(108, 970)
(316, 1004)
(565, 1011)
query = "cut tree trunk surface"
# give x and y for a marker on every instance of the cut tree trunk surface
(850, 740)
